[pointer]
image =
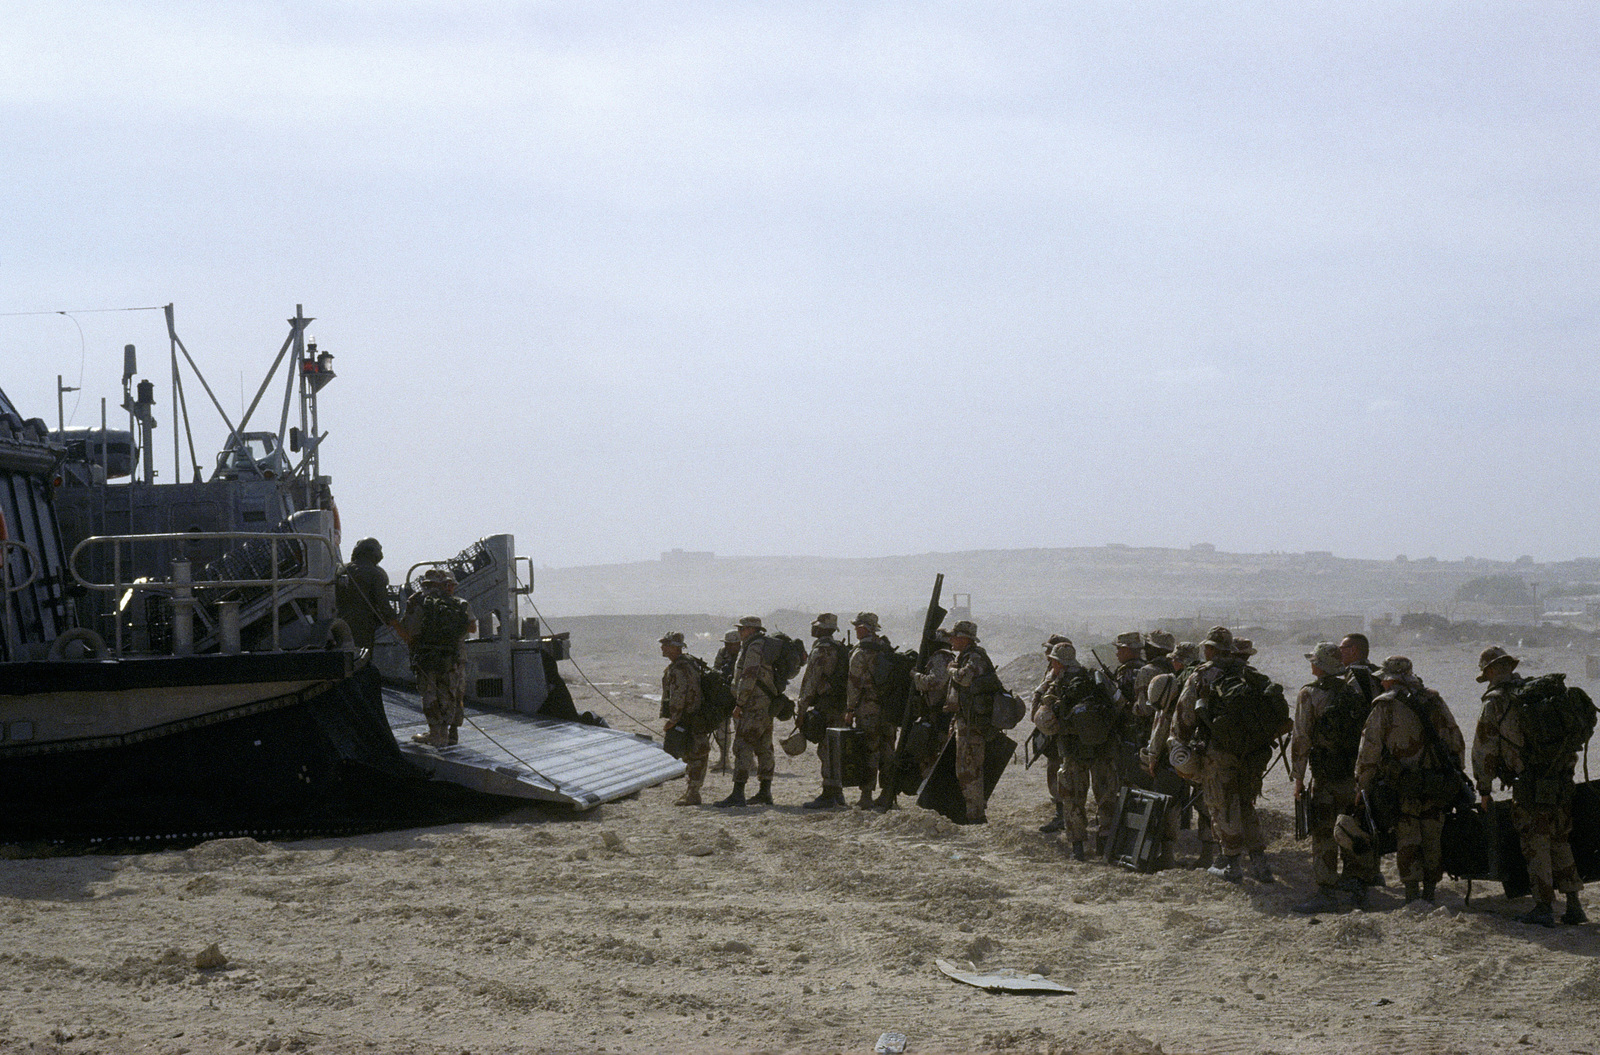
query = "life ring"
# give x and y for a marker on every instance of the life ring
(91, 640)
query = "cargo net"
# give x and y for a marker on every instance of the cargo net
(252, 559)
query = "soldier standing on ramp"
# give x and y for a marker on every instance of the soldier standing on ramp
(438, 622)
(361, 594)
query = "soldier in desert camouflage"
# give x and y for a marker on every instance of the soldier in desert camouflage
(1329, 716)
(1162, 694)
(754, 687)
(865, 711)
(1052, 747)
(1083, 764)
(932, 680)
(1395, 751)
(1229, 783)
(972, 711)
(822, 689)
(725, 662)
(680, 698)
(1543, 821)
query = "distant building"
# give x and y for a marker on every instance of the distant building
(682, 556)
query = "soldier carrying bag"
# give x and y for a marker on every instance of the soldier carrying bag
(1438, 779)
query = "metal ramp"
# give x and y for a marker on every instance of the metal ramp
(529, 757)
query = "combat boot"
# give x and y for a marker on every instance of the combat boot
(1414, 891)
(865, 802)
(735, 797)
(1060, 819)
(1208, 853)
(689, 798)
(1228, 868)
(1427, 892)
(1539, 916)
(1574, 914)
(455, 734)
(826, 800)
(1358, 896)
(763, 795)
(1260, 871)
(1077, 850)
(885, 802)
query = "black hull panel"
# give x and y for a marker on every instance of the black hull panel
(325, 762)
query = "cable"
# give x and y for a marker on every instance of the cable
(78, 311)
(83, 355)
(591, 684)
(513, 754)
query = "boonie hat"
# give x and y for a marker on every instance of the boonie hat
(1064, 653)
(1326, 658)
(672, 637)
(1492, 655)
(826, 623)
(1219, 638)
(731, 637)
(866, 619)
(1243, 646)
(752, 620)
(1160, 640)
(1132, 639)
(1186, 653)
(965, 628)
(1396, 668)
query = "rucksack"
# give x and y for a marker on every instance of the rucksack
(1091, 715)
(1557, 721)
(716, 699)
(891, 681)
(1244, 711)
(787, 656)
(1336, 736)
(838, 684)
(444, 620)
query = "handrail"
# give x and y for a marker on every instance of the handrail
(34, 564)
(201, 536)
(183, 591)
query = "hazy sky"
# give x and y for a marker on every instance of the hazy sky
(851, 279)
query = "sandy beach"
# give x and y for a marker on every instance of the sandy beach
(641, 927)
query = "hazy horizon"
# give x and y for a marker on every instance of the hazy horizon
(887, 279)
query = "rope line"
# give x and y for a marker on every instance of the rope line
(614, 705)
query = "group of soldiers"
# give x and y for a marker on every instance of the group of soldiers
(1371, 750)
(841, 687)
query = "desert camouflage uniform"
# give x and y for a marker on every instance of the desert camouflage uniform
(1229, 784)
(1392, 742)
(441, 673)
(933, 682)
(1330, 794)
(1046, 724)
(818, 691)
(752, 724)
(1545, 830)
(971, 732)
(726, 663)
(1082, 766)
(862, 703)
(1163, 692)
(1144, 713)
(680, 694)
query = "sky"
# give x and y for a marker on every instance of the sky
(841, 279)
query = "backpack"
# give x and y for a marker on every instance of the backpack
(1437, 778)
(1091, 715)
(787, 655)
(1336, 735)
(444, 620)
(1557, 721)
(716, 699)
(891, 681)
(1244, 711)
(838, 685)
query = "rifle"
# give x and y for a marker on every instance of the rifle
(925, 648)
(1111, 679)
